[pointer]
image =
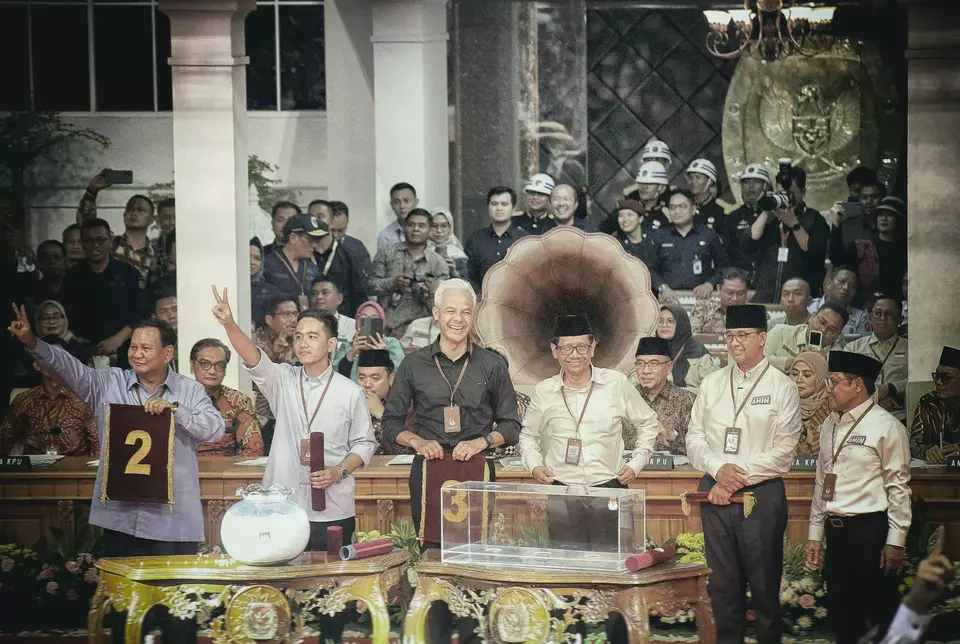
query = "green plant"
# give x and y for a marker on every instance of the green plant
(405, 537)
(26, 137)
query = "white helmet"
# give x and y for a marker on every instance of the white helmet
(756, 171)
(704, 167)
(541, 183)
(652, 172)
(654, 150)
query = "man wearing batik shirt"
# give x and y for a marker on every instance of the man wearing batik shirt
(671, 403)
(935, 433)
(375, 377)
(49, 417)
(208, 364)
(133, 246)
(275, 338)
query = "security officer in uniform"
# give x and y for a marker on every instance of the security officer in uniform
(702, 179)
(754, 183)
(537, 219)
(743, 431)
(861, 501)
(650, 190)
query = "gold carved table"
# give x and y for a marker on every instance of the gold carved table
(258, 602)
(513, 605)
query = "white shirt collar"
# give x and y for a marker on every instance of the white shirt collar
(327, 373)
(856, 412)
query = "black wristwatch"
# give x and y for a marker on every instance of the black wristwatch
(489, 439)
(796, 227)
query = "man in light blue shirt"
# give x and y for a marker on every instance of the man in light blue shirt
(403, 199)
(138, 529)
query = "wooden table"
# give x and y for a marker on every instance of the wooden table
(514, 606)
(60, 495)
(258, 600)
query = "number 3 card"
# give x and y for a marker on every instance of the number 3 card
(138, 456)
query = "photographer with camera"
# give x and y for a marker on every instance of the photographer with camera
(789, 239)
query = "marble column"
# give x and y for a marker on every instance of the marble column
(933, 156)
(410, 108)
(351, 147)
(210, 165)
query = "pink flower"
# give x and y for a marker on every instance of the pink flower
(72, 566)
(72, 595)
(85, 558)
(46, 573)
(90, 576)
(6, 565)
(52, 587)
(807, 601)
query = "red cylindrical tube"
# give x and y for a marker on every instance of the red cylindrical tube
(650, 558)
(366, 549)
(334, 540)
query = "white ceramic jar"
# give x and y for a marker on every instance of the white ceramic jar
(266, 527)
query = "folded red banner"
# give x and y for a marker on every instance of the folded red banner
(366, 549)
(746, 498)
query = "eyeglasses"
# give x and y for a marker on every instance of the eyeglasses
(883, 315)
(96, 241)
(834, 382)
(729, 338)
(826, 326)
(653, 365)
(942, 378)
(567, 350)
(51, 317)
(218, 367)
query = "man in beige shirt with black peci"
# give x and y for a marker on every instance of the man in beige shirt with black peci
(744, 428)
(861, 501)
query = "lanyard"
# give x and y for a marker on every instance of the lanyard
(153, 395)
(333, 252)
(784, 235)
(287, 265)
(303, 399)
(889, 353)
(583, 410)
(733, 396)
(453, 388)
(836, 454)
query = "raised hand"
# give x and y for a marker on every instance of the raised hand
(20, 327)
(221, 309)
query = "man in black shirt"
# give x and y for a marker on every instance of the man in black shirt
(489, 245)
(536, 219)
(702, 178)
(341, 266)
(789, 242)
(735, 233)
(102, 295)
(688, 255)
(881, 261)
(52, 264)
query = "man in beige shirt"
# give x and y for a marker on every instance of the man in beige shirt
(743, 431)
(784, 343)
(890, 349)
(572, 435)
(861, 501)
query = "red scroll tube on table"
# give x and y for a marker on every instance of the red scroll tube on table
(650, 558)
(366, 549)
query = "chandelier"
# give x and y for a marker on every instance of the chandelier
(768, 29)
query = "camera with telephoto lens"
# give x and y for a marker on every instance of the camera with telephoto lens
(775, 201)
(783, 198)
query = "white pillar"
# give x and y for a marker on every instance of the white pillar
(410, 90)
(351, 149)
(210, 165)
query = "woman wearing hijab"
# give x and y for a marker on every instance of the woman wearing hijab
(345, 357)
(809, 371)
(691, 360)
(446, 243)
(51, 319)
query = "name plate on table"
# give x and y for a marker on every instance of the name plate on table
(659, 462)
(138, 456)
(953, 463)
(804, 463)
(15, 464)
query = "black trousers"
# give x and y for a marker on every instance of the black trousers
(583, 523)
(859, 593)
(742, 551)
(331, 626)
(121, 544)
(440, 621)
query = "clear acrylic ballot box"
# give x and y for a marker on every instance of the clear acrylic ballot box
(547, 527)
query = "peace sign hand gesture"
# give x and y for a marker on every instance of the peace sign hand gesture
(221, 310)
(20, 328)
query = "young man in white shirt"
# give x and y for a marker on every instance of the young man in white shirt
(572, 433)
(744, 428)
(861, 500)
(308, 398)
